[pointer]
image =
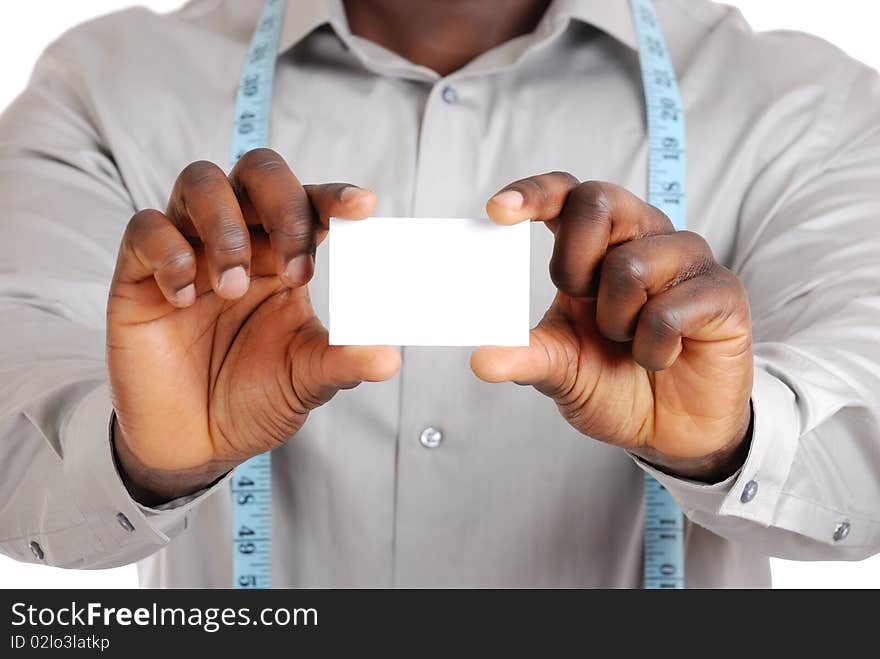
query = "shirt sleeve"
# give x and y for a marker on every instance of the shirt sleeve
(809, 256)
(63, 212)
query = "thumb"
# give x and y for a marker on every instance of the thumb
(327, 369)
(546, 363)
(343, 367)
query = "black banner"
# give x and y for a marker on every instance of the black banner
(251, 623)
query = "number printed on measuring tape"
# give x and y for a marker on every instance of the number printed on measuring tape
(252, 481)
(254, 98)
(664, 521)
(252, 523)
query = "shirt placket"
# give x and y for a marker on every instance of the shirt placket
(429, 442)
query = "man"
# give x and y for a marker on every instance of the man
(738, 363)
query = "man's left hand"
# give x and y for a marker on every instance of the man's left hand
(647, 344)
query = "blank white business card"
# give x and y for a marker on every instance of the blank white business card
(428, 282)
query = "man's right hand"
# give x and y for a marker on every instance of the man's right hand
(214, 352)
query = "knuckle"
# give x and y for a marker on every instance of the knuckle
(728, 277)
(560, 276)
(262, 153)
(655, 221)
(142, 222)
(592, 199)
(268, 166)
(699, 244)
(230, 237)
(662, 321)
(624, 270)
(178, 262)
(566, 177)
(295, 214)
(737, 289)
(569, 280)
(594, 190)
(696, 268)
(698, 247)
(263, 160)
(292, 221)
(200, 174)
(697, 258)
(297, 234)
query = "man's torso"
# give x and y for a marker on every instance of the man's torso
(512, 496)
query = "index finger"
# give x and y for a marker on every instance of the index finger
(292, 214)
(588, 219)
(538, 198)
(542, 198)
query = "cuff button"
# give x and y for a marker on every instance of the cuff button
(124, 523)
(841, 531)
(36, 550)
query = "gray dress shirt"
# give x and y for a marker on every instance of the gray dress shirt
(783, 180)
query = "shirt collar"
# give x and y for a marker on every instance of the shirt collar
(302, 17)
(613, 17)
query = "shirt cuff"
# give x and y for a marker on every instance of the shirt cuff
(753, 492)
(119, 523)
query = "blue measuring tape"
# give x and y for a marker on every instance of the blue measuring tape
(252, 481)
(664, 521)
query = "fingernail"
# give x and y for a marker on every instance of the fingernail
(299, 269)
(352, 192)
(185, 296)
(512, 200)
(233, 283)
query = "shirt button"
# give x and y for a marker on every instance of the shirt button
(36, 550)
(841, 531)
(431, 437)
(124, 523)
(749, 491)
(450, 95)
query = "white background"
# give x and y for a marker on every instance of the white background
(27, 27)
